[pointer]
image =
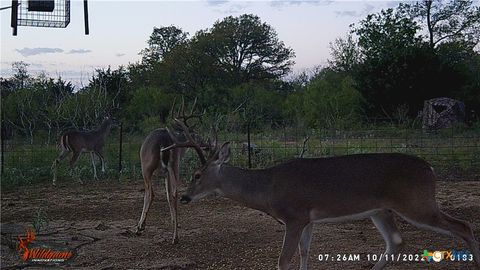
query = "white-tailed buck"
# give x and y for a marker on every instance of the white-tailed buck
(166, 163)
(304, 191)
(77, 142)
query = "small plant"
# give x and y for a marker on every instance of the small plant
(401, 115)
(40, 220)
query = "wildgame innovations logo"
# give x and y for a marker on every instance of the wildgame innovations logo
(447, 255)
(32, 251)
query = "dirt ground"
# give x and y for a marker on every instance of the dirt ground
(94, 220)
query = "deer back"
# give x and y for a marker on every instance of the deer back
(322, 184)
(150, 151)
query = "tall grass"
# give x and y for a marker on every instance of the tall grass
(454, 153)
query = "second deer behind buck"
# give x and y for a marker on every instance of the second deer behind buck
(304, 191)
(165, 163)
(78, 142)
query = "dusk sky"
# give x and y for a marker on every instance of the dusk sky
(120, 29)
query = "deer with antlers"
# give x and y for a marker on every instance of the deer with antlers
(166, 163)
(304, 191)
(78, 142)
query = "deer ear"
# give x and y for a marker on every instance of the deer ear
(224, 153)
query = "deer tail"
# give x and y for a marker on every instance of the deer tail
(64, 142)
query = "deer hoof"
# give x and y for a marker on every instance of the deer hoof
(138, 230)
(175, 240)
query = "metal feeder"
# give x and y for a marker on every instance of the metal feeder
(43, 13)
(45, 6)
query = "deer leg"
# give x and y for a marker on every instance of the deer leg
(60, 157)
(293, 232)
(73, 161)
(94, 167)
(147, 199)
(385, 223)
(440, 222)
(175, 167)
(102, 160)
(304, 245)
(171, 188)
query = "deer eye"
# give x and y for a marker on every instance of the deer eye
(196, 176)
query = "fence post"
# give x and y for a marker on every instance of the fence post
(296, 140)
(406, 140)
(284, 141)
(249, 146)
(14, 18)
(120, 149)
(85, 16)
(3, 152)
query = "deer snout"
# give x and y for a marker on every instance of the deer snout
(185, 199)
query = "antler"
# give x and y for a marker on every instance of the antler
(182, 115)
(213, 146)
(189, 143)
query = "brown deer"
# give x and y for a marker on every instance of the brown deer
(304, 191)
(78, 142)
(166, 163)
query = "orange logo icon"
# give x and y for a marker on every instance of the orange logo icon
(39, 254)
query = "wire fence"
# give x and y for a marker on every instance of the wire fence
(454, 153)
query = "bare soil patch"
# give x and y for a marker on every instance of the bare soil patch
(93, 220)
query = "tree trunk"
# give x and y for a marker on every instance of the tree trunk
(428, 4)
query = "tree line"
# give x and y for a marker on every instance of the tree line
(384, 67)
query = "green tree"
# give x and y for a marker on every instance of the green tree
(20, 77)
(447, 21)
(245, 48)
(51, 94)
(112, 85)
(400, 70)
(380, 34)
(259, 104)
(162, 41)
(397, 67)
(235, 50)
(148, 106)
(22, 110)
(86, 108)
(331, 101)
(345, 54)
(459, 72)
(33, 103)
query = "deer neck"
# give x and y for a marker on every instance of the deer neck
(104, 129)
(249, 187)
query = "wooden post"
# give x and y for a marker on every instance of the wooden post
(14, 18)
(120, 149)
(249, 146)
(3, 151)
(85, 15)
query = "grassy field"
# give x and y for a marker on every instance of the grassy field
(454, 153)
